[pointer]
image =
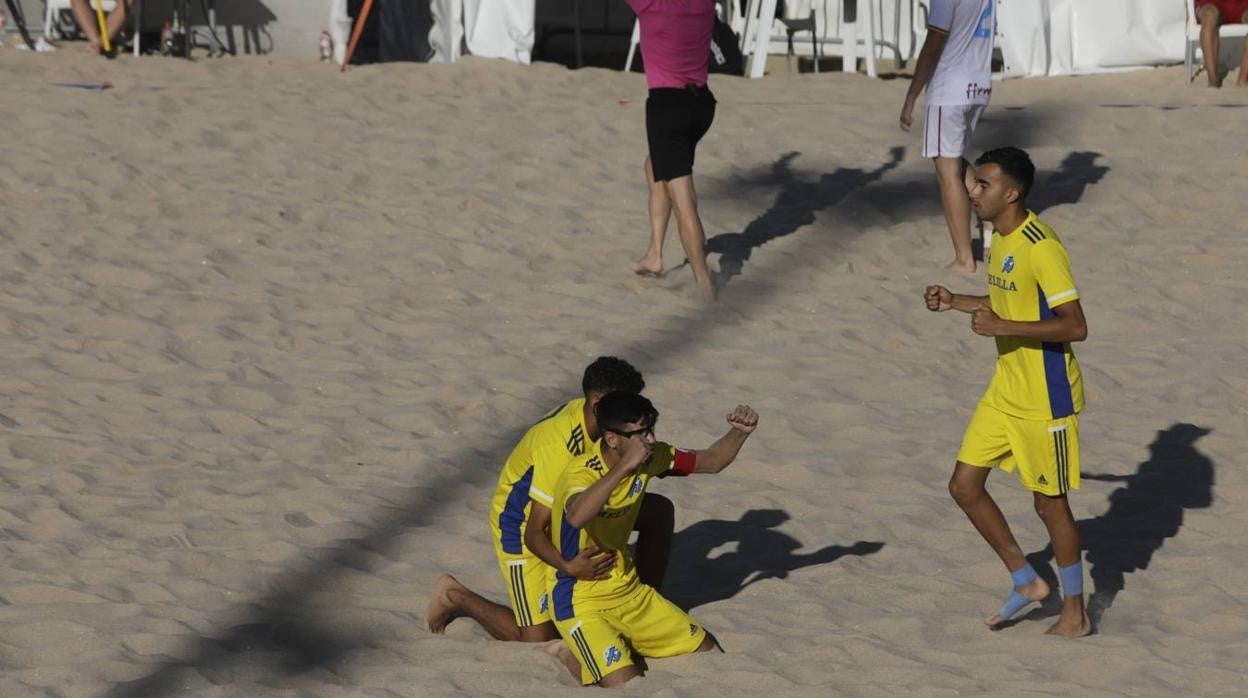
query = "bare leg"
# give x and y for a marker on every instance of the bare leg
(117, 19)
(1057, 518)
(957, 205)
(1242, 80)
(692, 236)
(967, 488)
(620, 677)
(1208, 16)
(559, 650)
(651, 263)
(655, 524)
(85, 17)
(450, 598)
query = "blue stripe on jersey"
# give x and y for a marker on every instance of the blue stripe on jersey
(569, 546)
(512, 518)
(1055, 377)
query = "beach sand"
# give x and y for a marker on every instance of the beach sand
(269, 331)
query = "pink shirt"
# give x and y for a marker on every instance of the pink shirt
(675, 40)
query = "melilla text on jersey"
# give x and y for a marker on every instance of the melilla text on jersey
(1002, 283)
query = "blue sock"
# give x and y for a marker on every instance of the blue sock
(1015, 601)
(1072, 579)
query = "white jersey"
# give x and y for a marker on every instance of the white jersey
(964, 73)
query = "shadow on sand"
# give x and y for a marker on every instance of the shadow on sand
(756, 550)
(1142, 514)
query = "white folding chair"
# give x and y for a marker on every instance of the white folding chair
(53, 8)
(759, 16)
(1193, 38)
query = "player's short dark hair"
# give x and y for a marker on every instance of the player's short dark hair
(608, 373)
(616, 410)
(1015, 163)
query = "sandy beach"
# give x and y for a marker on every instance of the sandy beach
(269, 331)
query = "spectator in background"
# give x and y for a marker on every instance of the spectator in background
(1212, 14)
(84, 15)
(955, 67)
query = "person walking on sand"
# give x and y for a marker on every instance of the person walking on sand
(1028, 418)
(676, 47)
(955, 67)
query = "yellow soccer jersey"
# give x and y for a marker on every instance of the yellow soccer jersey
(538, 459)
(609, 530)
(1028, 276)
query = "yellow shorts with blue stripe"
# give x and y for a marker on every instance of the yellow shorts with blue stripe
(525, 577)
(1045, 452)
(644, 622)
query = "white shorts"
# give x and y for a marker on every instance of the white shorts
(947, 129)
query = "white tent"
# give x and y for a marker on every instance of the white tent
(1036, 37)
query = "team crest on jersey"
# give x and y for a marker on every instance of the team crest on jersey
(594, 464)
(636, 488)
(611, 655)
(1008, 265)
(543, 602)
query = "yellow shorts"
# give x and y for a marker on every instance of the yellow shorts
(525, 577)
(645, 622)
(1046, 453)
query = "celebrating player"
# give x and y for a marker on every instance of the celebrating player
(521, 502)
(604, 621)
(1028, 418)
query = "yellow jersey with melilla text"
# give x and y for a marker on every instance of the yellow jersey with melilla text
(609, 530)
(1028, 276)
(531, 472)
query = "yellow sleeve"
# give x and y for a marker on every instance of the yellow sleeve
(1051, 266)
(548, 464)
(669, 460)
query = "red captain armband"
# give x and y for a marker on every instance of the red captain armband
(684, 462)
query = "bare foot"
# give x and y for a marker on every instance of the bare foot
(93, 47)
(706, 291)
(1035, 591)
(962, 267)
(1071, 629)
(649, 265)
(559, 650)
(438, 612)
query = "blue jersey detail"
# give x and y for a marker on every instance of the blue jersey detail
(569, 546)
(514, 514)
(1061, 403)
(983, 30)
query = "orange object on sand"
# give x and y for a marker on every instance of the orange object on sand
(355, 33)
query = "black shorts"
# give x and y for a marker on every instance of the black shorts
(676, 119)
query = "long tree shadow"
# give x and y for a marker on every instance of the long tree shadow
(282, 634)
(795, 206)
(798, 201)
(760, 551)
(1142, 514)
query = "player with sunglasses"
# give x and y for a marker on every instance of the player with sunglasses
(597, 499)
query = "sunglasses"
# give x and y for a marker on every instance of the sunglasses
(644, 431)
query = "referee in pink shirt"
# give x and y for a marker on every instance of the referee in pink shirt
(676, 46)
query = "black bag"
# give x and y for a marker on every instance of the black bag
(726, 50)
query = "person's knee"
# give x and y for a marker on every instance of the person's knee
(1048, 508)
(543, 632)
(1208, 13)
(620, 677)
(709, 643)
(964, 490)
